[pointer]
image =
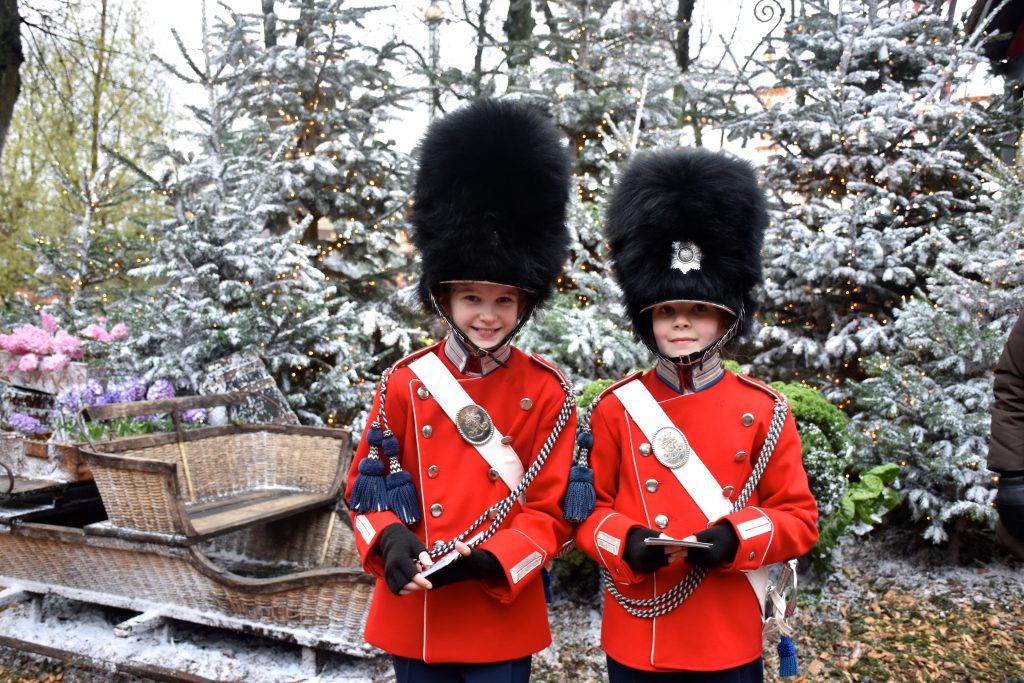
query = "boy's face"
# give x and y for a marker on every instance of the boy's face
(685, 327)
(484, 311)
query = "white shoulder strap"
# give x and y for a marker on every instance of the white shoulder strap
(694, 475)
(452, 397)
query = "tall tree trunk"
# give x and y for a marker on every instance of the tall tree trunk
(11, 59)
(684, 14)
(518, 27)
(269, 24)
(98, 79)
(481, 41)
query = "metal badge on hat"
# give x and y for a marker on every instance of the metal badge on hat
(670, 447)
(474, 424)
(686, 256)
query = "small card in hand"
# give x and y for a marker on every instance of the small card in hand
(449, 557)
(665, 540)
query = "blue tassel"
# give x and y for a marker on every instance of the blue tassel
(585, 440)
(545, 577)
(787, 657)
(579, 495)
(368, 491)
(374, 436)
(402, 498)
(391, 446)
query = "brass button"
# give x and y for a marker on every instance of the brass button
(651, 485)
(432, 471)
(438, 545)
(427, 431)
(645, 449)
(423, 393)
(506, 440)
(493, 474)
(525, 403)
(747, 419)
(661, 521)
(752, 554)
(436, 510)
(740, 456)
(727, 491)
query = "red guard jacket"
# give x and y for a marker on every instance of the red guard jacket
(719, 625)
(472, 621)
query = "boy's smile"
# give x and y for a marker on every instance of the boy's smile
(484, 311)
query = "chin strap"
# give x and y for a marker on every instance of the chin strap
(698, 357)
(473, 348)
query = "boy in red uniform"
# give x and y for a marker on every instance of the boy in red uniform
(688, 450)
(469, 441)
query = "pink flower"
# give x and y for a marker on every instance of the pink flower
(5, 342)
(66, 344)
(30, 339)
(49, 322)
(96, 332)
(119, 332)
(12, 366)
(56, 362)
(28, 362)
(101, 318)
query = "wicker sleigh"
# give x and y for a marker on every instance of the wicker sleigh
(232, 526)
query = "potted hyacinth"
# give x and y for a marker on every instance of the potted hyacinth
(46, 358)
(70, 402)
(61, 447)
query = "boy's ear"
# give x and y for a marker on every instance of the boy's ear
(444, 297)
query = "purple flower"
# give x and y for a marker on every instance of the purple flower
(26, 424)
(160, 389)
(133, 389)
(79, 396)
(193, 416)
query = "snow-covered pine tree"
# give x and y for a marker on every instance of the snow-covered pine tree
(872, 175)
(926, 404)
(290, 142)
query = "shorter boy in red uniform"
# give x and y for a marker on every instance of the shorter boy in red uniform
(688, 450)
(472, 431)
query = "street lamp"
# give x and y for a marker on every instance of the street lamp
(434, 15)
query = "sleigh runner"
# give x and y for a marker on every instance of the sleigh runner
(231, 526)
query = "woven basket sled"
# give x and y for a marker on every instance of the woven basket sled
(232, 526)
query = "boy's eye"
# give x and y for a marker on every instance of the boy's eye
(700, 308)
(665, 310)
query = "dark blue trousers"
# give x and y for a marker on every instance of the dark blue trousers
(418, 671)
(748, 673)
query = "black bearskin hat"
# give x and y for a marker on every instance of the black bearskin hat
(686, 225)
(490, 199)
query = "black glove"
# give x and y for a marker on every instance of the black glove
(724, 542)
(479, 564)
(1010, 503)
(641, 557)
(399, 547)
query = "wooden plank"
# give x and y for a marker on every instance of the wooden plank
(10, 596)
(240, 514)
(140, 623)
(198, 508)
(147, 671)
(24, 486)
(167, 405)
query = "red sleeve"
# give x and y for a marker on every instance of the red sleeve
(602, 536)
(537, 531)
(368, 526)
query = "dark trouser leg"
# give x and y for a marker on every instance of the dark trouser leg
(417, 671)
(511, 671)
(747, 673)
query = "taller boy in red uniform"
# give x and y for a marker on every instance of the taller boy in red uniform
(470, 440)
(688, 450)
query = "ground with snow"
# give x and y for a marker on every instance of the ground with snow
(868, 570)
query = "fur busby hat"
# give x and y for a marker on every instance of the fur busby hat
(687, 225)
(490, 199)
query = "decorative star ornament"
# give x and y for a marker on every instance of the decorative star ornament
(686, 256)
